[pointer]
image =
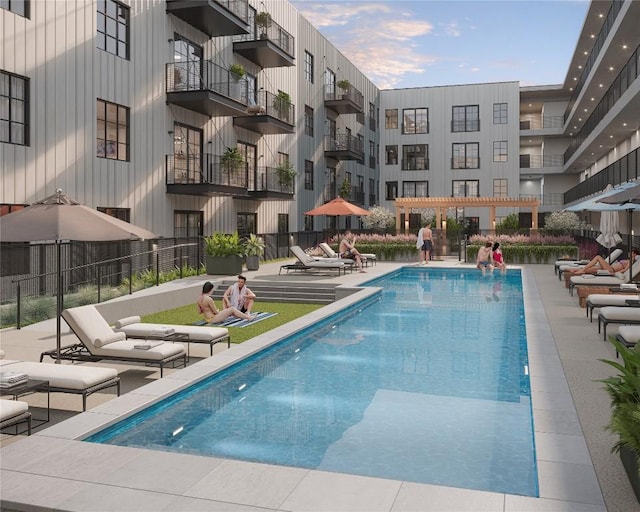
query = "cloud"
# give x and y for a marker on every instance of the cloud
(403, 30)
(332, 14)
(452, 29)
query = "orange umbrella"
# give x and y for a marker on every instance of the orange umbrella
(338, 206)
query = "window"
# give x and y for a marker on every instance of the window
(308, 175)
(20, 7)
(283, 223)
(392, 155)
(499, 150)
(112, 131)
(372, 191)
(329, 83)
(247, 223)
(6, 208)
(360, 118)
(415, 120)
(500, 113)
(119, 213)
(415, 157)
(465, 156)
(372, 117)
(14, 109)
(391, 190)
(308, 223)
(187, 223)
(465, 188)
(113, 28)
(308, 67)
(500, 187)
(372, 154)
(391, 118)
(466, 118)
(308, 121)
(187, 65)
(415, 189)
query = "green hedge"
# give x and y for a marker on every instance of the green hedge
(529, 253)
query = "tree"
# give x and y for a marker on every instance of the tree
(564, 221)
(510, 222)
(381, 218)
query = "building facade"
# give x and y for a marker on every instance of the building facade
(193, 117)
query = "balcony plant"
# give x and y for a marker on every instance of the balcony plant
(286, 173)
(624, 390)
(345, 189)
(282, 105)
(344, 86)
(237, 72)
(232, 160)
(225, 253)
(263, 21)
(254, 248)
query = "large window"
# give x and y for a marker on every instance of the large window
(466, 118)
(391, 153)
(500, 187)
(415, 120)
(113, 28)
(308, 223)
(247, 223)
(187, 223)
(415, 157)
(465, 188)
(187, 65)
(500, 113)
(391, 190)
(308, 120)
(372, 154)
(415, 189)
(119, 213)
(499, 150)
(372, 117)
(20, 7)
(308, 67)
(465, 156)
(283, 223)
(14, 109)
(308, 175)
(391, 118)
(112, 131)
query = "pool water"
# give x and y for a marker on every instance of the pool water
(426, 382)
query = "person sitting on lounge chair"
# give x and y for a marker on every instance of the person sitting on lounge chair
(348, 250)
(211, 313)
(239, 296)
(598, 263)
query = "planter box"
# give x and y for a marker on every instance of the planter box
(631, 466)
(224, 265)
(253, 262)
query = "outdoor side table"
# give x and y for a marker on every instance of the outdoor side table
(30, 387)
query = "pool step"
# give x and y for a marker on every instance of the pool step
(285, 292)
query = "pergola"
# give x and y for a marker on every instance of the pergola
(440, 205)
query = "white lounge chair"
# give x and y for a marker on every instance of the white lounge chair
(306, 262)
(628, 315)
(14, 412)
(628, 335)
(132, 327)
(600, 300)
(98, 342)
(328, 250)
(601, 280)
(563, 266)
(66, 378)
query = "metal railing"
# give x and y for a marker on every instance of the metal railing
(346, 92)
(539, 161)
(238, 7)
(274, 105)
(269, 179)
(344, 142)
(540, 122)
(205, 169)
(205, 75)
(415, 164)
(274, 33)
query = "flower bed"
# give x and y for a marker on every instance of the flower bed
(527, 249)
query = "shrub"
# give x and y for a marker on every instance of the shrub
(380, 218)
(564, 221)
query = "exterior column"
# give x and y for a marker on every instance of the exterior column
(398, 219)
(492, 218)
(534, 217)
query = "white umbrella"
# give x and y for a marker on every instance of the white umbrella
(609, 223)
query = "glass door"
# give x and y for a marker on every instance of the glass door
(187, 151)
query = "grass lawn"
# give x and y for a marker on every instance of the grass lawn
(187, 315)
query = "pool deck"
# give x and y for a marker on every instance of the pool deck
(52, 470)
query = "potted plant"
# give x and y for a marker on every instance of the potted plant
(286, 173)
(254, 248)
(345, 189)
(282, 104)
(237, 72)
(232, 160)
(225, 253)
(344, 85)
(263, 21)
(624, 390)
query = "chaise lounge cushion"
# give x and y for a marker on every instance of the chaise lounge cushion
(65, 376)
(12, 408)
(111, 338)
(630, 333)
(127, 321)
(196, 333)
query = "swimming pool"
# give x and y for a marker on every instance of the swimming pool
(427, 382)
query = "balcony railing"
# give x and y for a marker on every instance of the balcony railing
(541, 122)
(344, 100)
(274, 33)
(205, 169)
(276, 105)
(267, 179)
(238, 7)
(470, 162)
(357, 196)
(554, 199)
(467, 125)
(205, 76)
(415, 164)
(343, 142)
(540, 161)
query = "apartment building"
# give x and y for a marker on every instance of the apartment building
(189, 117)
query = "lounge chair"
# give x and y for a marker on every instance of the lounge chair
(628, 315)
(14, 412)
(98, 342)
(66, 378)
(563, 266)
(600, 300)
(628, 335)
(306, 262)
(133, 328)
(604, 280)
(327, 249)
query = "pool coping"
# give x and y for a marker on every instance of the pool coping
(83, 473)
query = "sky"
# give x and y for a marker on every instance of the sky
(420, 43)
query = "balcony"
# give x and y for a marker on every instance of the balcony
(553, 200)
(343, 100)
(357, 196)
(269, 114)
(540, 161)
(213, 17)
(203, 175)
(266, 184)
(343, 147)
(539, 122)
(270, 47)
(206, 88)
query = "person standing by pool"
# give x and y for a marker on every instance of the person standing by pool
(425, 243)
(498, 260)
(239, 296)
(207, 307)
(484, 261)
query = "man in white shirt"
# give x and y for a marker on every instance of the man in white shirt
(239, 296)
